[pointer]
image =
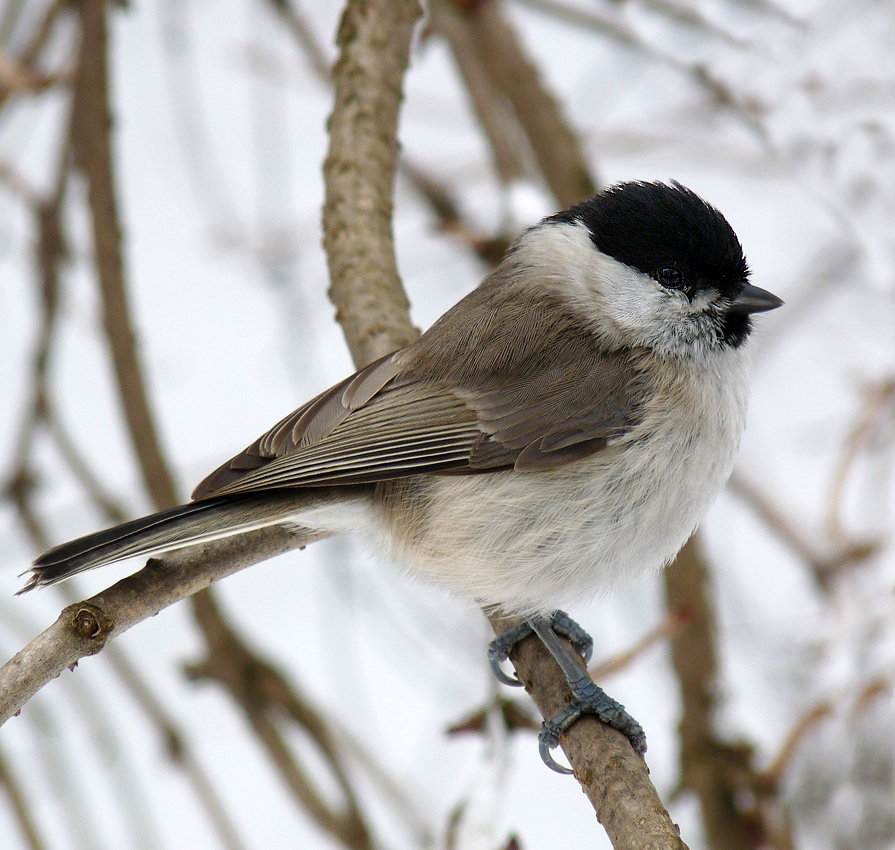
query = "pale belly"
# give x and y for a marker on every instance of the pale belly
(529, 542)
(532, 542)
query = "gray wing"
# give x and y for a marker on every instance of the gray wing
(374, 426)
(496, 383)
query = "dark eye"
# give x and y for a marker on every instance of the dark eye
(670, 277)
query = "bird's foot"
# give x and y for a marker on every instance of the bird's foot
(588, 698)
(561, 623)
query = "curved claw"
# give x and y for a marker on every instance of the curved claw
(502, 677)
(499, 650)
(548, 738)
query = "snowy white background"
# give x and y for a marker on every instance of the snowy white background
(219, 144)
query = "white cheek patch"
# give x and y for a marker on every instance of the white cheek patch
(623, 306)
(611, 296)
(562, 254)
(633, 308)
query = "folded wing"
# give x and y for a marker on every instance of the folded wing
(383, 423)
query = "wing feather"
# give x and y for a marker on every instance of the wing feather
(531, 389)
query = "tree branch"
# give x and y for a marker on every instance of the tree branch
(496, 117)
(83, 629)
(556, 147)
(372, 307)
(613, 777)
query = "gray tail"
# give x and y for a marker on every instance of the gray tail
(187, 525)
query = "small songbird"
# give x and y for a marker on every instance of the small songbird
(562, 428)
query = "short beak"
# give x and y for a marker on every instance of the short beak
(752, 299)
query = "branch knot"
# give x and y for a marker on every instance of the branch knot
(90, 622)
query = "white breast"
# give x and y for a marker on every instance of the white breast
(532, 542)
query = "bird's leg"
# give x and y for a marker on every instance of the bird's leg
(560, 622)
(587, 698)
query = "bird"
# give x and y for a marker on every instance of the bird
(560, 430)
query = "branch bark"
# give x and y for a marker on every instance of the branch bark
(372, 307)
(85, 628)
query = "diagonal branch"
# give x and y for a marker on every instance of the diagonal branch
(556, 147)
(84, 628)
(269, 702)
(494, 112)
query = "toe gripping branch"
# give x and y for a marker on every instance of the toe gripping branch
(587, 696)
(560, 622)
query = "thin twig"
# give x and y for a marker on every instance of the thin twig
(670, 626)
(311, 47)
(32, 51)
(624, 34)
(879, 398)
(795, 739)
(50, 253)
(806, 724)
(824, 565)
(15, 78)
(694, 18)
(64, 772)
(19, 186)
(110, 507)
(449, 219)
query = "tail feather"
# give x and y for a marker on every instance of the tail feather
(186, 525)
